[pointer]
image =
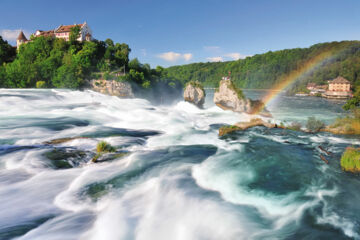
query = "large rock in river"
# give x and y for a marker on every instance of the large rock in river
(194, 93)
(228, 97)
(113, 88)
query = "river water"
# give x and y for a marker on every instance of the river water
(176, 179)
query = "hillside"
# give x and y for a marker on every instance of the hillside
(265, 70)
(47, 62)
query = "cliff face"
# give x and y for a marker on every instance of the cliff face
(113, 88)
(228, 97)
(194, 94)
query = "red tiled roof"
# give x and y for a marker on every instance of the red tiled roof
(21, 36)
(311, 84)
(340, 80)
(66, 28)
(49, 33)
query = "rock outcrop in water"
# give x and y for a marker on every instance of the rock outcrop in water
(194, 93)
(113, 88)
(229, 97)
(241, 126)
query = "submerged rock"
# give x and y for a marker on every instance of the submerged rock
(194, 93)
(104, 157)
(62, 158)
(62, 140)
(113, 88)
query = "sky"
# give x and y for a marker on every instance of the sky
(179, 32)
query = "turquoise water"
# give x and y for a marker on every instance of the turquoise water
(177, 178)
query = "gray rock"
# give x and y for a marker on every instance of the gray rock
(194, 93)
(228, 97)
(113, 88)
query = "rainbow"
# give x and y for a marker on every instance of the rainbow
(293, 76)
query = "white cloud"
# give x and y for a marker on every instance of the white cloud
(215, 59)
(173, 56)
(235, 56)
(187, 56)
(12, 34)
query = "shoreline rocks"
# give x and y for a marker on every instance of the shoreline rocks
(112, 87)
(194, 93)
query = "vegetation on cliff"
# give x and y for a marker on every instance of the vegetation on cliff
(350, 160)
(196, 84)
(266, 70)
(56, 63)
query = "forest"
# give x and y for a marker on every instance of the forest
(263, 71)
(56, 63)
(47, 62)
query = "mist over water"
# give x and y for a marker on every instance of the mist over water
(177, 180)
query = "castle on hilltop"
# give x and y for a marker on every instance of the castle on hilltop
(63, 31)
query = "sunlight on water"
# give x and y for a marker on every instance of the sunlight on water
(177, 178)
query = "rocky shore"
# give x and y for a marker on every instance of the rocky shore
(112, 87)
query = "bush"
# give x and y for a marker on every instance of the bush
(350, 160)
(40, 84)
(314, 125)
(146, 84)
(107, 76)
(349, 124)
(103, 147)
(296, 126)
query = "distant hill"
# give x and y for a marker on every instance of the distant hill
(265, 70)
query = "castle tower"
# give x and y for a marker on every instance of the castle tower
(21, 39)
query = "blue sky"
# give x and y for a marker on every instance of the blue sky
(177, 32)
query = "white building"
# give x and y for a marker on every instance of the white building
(63, 31)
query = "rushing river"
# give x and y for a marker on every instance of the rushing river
(176, 179)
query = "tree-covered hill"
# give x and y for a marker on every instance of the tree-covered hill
(265, 70)
(55, 63)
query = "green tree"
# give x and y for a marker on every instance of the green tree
(74, 34)
(354, 102)
(7, 52)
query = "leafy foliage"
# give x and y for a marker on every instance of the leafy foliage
(350, 124)
(314, 125)
(59, 63)
(103, 147)
(196, 84)
(40, 84)
(354, 102)
(7, 52)
(268, 69)
(350, 160)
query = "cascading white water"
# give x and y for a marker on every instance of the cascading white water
(178, 180)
